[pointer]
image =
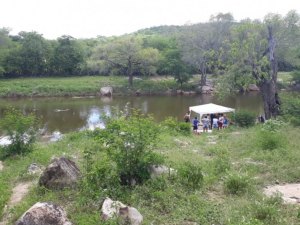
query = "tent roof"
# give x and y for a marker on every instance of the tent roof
(210, 108)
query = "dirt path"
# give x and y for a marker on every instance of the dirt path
(18, 194)
(290, 192)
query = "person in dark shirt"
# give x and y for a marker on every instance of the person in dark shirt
(195, 125)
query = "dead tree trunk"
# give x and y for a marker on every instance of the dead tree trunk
(268, 84)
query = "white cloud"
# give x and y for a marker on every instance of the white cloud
(89, 18)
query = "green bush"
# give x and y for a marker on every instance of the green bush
(21, 129)
(172, 125)
(244, 118)
(129, 142)
(290, 108)
(236, 184)
(269, 137)
(267, 210)
(269, 140)
(190, 175)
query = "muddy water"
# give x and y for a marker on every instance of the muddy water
(69, 114)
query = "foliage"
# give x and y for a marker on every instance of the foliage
(236, 184)
(244, 118)
(290, 109)
(21, 129)
(174, 126)
(190, 175)
(269, 136)
(130, 142)
(296, 76)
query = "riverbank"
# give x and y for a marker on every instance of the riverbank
(236, 168)
(89, 86)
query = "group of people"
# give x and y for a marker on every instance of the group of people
(209, 121)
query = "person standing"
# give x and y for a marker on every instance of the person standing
(205, 122)
(187, 117)
(195, 125)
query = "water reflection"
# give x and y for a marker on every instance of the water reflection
(68, 114)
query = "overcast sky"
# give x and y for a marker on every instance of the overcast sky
(90, 18)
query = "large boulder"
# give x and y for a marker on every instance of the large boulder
(61, 173)
(44, 214)
(106, 91)
(128, 214)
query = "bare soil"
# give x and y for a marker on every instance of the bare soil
(290, 193)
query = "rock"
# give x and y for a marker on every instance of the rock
(128, 214)
(179, 92)
(5, 141)
(61, 173)
(106, 91)
(138, 93)
(207, 89)
(181, 143)
(34, 169)
(56, 136)
(158, 170)
(253, 87)
(44, 214)
(290, 193)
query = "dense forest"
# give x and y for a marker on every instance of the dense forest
(239, 53)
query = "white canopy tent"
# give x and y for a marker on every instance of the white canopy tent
(209, 109)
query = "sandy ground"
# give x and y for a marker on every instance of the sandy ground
(290, 192)
(18, 194)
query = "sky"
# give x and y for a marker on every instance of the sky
(92, 18)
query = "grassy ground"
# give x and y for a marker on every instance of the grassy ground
(82, 86)
(235, 167)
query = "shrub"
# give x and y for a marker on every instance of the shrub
(244, 118)
(269, 140)
(236, 184)
(191, 175)
(269, 137)
(173, 126)
(290, 108)
(129, 143)
(21, 129)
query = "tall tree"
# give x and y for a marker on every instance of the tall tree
(67, 57)
(34, 54)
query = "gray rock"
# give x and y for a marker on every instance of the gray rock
(158, 170)
(207, 89)
(253, 87)
(44, 214)
(61, 173)
(34, 169)
(106, 91)
(128, 214)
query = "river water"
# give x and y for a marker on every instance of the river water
(69, 114)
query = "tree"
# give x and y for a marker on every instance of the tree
(5, 46)
(67, 57)
(203, 45)
(34, 54)
(254, 55)
(127, 55)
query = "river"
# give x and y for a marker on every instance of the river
(69, 114)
